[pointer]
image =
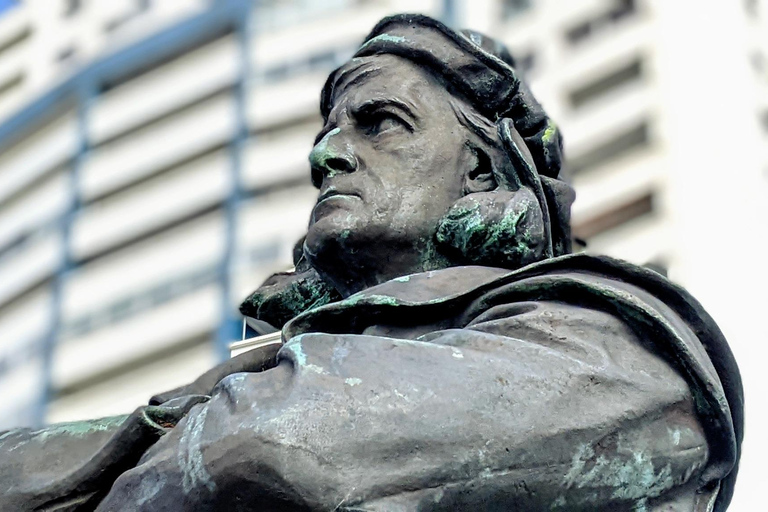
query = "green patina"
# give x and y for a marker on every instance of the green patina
(353, 300)
(504, 241)
(462, 224)
(322, 152)
(431, 259)
(309, 295)
(384, 300)
(277, 305)
(549, 132)
(322, 146)
(380, 300)
(402, 279)
(383, 37)
(355, 297)
(80, 428)
(631, 475)
(297, 349)
(506, 236)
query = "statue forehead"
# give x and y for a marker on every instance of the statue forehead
(385, 74)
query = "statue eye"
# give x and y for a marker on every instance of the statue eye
(381, 121)
(386, 122)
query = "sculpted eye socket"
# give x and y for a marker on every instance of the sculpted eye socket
(385, 123)
(376, 122)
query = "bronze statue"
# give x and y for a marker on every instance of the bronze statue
(443, 350)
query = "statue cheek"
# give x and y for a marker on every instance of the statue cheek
(500, 228)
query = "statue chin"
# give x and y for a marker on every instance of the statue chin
(354, 259)
(327, 248)
(324, 238)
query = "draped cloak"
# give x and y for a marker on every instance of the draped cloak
(577, 383)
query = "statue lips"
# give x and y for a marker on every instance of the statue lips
(331, 199)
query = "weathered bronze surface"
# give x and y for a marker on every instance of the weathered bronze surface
(443, 349)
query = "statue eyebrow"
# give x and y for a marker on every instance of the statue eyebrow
(377, 103)
(369, 106)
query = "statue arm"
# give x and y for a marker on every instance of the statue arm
(529, 405)
(74, 464)
(71, 466)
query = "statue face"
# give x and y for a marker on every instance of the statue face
(389, 163)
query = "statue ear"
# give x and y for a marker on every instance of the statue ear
(481, 176)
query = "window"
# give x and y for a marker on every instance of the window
(11, 83)
(627, 74)
(525, 62)
(752, 7)
(66, 54)
(583, 31)
(622, 9)
(579, 33)
(323, 61)
(614, 218)
(631, 140)
(126, 75)
(71, 7)
(136, 303)
(13, 41)
(513, 8)
(139, 7)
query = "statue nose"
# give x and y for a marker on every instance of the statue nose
(338, 164)
(327, 160)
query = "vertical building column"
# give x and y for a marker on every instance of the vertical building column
(450, 15)
(84, 96)
(230, 324)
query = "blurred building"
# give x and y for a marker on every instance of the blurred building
(153, 171)
(153, 164)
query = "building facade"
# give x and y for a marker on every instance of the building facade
(153, 166)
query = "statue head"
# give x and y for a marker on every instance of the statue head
(421, 163)
(433, 153)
